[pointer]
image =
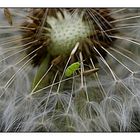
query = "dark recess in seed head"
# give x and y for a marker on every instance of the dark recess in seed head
(99, 38)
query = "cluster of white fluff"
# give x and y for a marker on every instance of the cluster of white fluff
(109, 102)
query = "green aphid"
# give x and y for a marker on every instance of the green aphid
(71, 69)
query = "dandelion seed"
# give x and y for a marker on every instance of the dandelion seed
(8, 16)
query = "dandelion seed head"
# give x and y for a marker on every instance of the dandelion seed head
(66, 32)
(59, 30)
(107, 100)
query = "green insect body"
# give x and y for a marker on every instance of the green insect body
(71, 69)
